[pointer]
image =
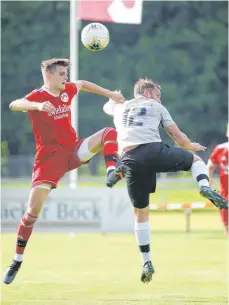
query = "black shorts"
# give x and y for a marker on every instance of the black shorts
(145, 161)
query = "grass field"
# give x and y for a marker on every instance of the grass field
(96, 269)
(175, 191)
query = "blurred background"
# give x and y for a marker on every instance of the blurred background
(181, 45)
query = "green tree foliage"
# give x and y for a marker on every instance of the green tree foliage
(182, 45)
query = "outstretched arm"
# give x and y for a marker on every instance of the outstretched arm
(174, 132)
(182, 140)
(93, 88)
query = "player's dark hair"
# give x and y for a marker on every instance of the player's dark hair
(50, 64)
(144, 84)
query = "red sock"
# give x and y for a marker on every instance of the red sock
(25, 229)
(110, 147)
(224, 216)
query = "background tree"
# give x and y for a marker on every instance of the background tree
(182, 45)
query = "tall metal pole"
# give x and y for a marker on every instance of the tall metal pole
(74, 30)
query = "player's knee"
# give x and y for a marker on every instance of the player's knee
(196, 158)
(141, 211)
(37, 197)
(109, 134)
(141, 214)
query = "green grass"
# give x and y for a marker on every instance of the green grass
(96, 269)
(173, 192)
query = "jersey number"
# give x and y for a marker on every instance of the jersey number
(133, 119)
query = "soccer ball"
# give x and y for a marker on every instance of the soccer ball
(95, 36)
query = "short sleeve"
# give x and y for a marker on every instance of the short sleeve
(166, 118)
(32, 96)
(108, 108)
(72, 88)
(215, 155)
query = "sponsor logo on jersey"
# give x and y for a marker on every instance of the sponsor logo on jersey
(61, 112)
(64, 97)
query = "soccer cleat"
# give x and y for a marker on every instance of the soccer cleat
(11, 272)
(114, 175)
(214, 197)
(147, 272)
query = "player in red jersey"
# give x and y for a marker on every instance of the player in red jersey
(58, 150)
(219, 158)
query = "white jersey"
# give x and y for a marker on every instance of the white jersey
(137, 121)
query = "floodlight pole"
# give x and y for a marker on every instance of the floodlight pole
(74, 31)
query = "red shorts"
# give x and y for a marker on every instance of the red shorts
(53, 161)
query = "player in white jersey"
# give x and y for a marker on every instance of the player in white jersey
(143, 154)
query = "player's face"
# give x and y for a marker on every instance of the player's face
(156, 94)
(59, 77)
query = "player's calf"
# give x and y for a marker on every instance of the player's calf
(142, 233)
(224, 217)
(110, 148)
(23, 234)
(110, 152)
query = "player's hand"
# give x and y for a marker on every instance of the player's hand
(46, 107)
(117, 97)
(197, 147)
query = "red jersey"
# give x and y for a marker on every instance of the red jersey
(219, 156)
(54, 128)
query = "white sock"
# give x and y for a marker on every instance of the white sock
(18, 257)
(110, 167)
(142, 233)
(200, 173)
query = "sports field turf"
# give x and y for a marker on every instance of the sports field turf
(174, 191)
(96, 269)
